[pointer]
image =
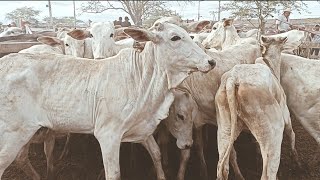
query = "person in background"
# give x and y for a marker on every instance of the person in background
(126, 22)
(118, 22)
(316, 39)
(283, 21)
(89, 22)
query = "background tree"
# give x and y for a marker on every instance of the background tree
(137, 10)
(261, 9)
(67, 20)
(26, 13)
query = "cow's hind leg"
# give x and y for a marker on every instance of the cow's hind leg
(225, 140)
(23, 162)
(292, 139)
(270, 146)
(234, 164)
(11, 142)
(268, 131)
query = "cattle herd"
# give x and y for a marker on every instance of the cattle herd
(128, 84)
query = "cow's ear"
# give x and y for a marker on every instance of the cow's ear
(227, 22)
(80, 34)
(200, 25)
(51, 41)
(141, 35)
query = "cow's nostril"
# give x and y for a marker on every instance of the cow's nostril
(212, 62)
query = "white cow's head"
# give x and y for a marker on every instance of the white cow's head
(103, 44)
(218, 34)
(272, 45)
(174, 51)
(69, 45)
(12, 31)
(180, 121)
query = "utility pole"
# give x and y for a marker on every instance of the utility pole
(74, 14)
(219, 10)
(50, 15)
(199, 11)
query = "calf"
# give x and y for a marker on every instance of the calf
(250, 96)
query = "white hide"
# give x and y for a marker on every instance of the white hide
(119, 99)
(11, 31)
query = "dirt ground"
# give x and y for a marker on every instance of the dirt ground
(84, 162)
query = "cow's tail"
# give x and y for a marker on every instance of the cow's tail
(231, 98)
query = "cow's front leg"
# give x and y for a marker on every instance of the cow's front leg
(11, 142)
(49, 143)
(110, 148)
(154, 151)
(184, 158)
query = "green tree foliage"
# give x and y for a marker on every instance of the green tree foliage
(261, 9)
(26, 13)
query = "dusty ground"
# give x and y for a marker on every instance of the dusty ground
(84, 159)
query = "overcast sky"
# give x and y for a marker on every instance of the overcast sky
(190, 11)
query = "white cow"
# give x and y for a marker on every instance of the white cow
(68, 94)
(67, 46)
(295, 39)
(11, 31)
(250, 96)
(299, 79)
(102, 37)
(224, 34)
(101, 34)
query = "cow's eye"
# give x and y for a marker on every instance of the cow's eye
(180, 116)
(67, 44)
(175, 38)
(214, 28)
(111, 35)
(91, 35)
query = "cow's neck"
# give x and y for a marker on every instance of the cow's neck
(153, 96)
(231, 37)
(273, 61)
